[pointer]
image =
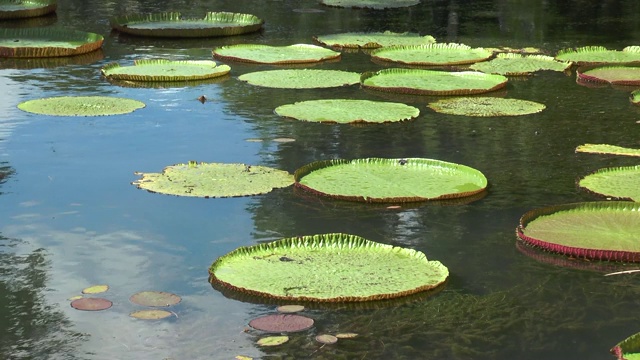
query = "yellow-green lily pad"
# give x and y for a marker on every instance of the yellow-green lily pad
(81, 106)
(95, 289)
(266, 54)
(486, 106)
(607, 149)
(273, 340)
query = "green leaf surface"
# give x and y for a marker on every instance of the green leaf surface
(486, 106)
(301, 78)
(165, 70)
(46, 42)
(18, 9)
(373, 39)
(629, 348)
(266, 54)
(617, 75)
(431, 82)
(432, 54)
(617, 182)
(273, 340)
(593, 55)
(635, 97)
(327, 268)
(214, 180)
(371, 4)
(607, 149)
(81, 106)
(344, 111)
(390, 180)
(518, 65)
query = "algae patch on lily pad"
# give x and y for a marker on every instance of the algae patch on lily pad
(214, 180)
(165, 70)
(327, 268)
(486, 106)
(348, 111)
(301, 78)
(81, 106)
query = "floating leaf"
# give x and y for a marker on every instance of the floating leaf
(155, 298)
(607, 149)
(327, 268)
(628, 349)
(273, 340)
(519, 65)
(290, 308)
(19, 9)
(635, 97)
(165, 70)
(432, 54)
(371, 4)
(266, 54)
(326, 339)
(91, 304)
(214, 180)
(373, 39)
(81, 106)
(431, 82)
(390, 180)
(593, 55)
(619, 182)
(172, 24)
(47, 42)
(150, 314)
(301, 78)
(282, 323)
(593, 230)
(486, 106)
(346, 335)
(96, 289)
(348, 111)
(616, 75)
(75, 297)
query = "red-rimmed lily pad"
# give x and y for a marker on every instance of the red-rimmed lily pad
(618, 182)
(326, 339)
(266, 54)
(607, 149)
(81, 106)
(91, 304)
(486, 106)
(273, 340)
(370, 40)
(432, 82)
(301, 78)
(616, 75)
(594, 55)
(165, 70)
(173, 24)
(344, 111)
(19, 9)
(282, 323)
(155, 298)
(150, 314)
(370, 4)
(512, 64)
(46, 42)
(628, 349)
(606, 230)
(432, 54)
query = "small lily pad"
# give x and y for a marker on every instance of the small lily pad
(273, 340)
(373, 39)
(81, 106)
(619, 182)
(150, 314)
(214, 180)
(486, 106)
(46, 42)
(290, 308)
(91, 304)
(346, 335)
(326, 339)
(266, 54)
(19, 9)
(301, 78)
(96, 289)
(520, 65)
(155, 298)
(635, 97)
(370, 4)
(348, 111)
(165, 70)
(282, 323)
(432, 54)
(75, 297)
(607, 149)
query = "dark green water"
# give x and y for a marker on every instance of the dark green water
(70, 217)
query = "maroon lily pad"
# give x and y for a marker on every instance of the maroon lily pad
(154, 298)
(91, 304)
(282, 323)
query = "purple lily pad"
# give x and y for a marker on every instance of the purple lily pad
(282, 323)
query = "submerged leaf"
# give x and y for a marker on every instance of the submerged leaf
(348, 111)
(81, 106)
(373, 39)
(96, 289)
(486, 106)
(155, 298)
(326, 339)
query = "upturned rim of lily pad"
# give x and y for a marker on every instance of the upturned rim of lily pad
(348, 111)
(46, 42)
(370, 4)
(81, 106)
(268, 54)
(482, 106)
(11, 9)
(372, 40)
(165, 70)
(437, 54)
(155, 298)
(598, 55)
(602, 230)
(619, 183)
(173, 24)
(609, 74)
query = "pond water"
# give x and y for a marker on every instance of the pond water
(71, 218)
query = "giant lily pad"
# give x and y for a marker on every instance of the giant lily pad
(617, 75)
(214, 180)
(432, 54)
(486, 106)
(373, 39)
(431, 82)
(282, 323)
(628, 349)
(327, 268)
(371, 4)
(348, 111)
(165, 70)
(618, 182)
(81, 106)
(607, 149)
(172, 24)
(390, 180)
(301, 78)
(594, 55)
(47, 42)
(16, 9)
(593, 230)
(518, 65)
(266, 54)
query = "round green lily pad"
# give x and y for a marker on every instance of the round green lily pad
(81, 106)
(172, 24)
(594, 55)
(607, 149)
(606, 230)
(617, 75)
(432, 54)
(150, 314)
(301, 78)
(618, 182)
(431, 82)
(46, 42)
(327, 268)
(390, 180)
(91, 304)
(512, 64)
(348, 111)
(635, 97)
(273, 340)
(266, 54)
(95, 289)
(165, 70)
(371, 4)
(18, 9)
(486, 106)
(214, 180)
(155, 298)
(282, 323)
(373, 39)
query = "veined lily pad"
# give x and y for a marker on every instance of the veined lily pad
(47, 42)
(518, 65)
(81, 106)
(327, 268)
(373, 40)
(390, 180)
(594, 55)
(371, 4)
(301, 78)
(628, 349)
(17, 9)
(618, 182)
(432, 54)
(214, 180)
(348, 111)
(431, 82)
(607, 149)
(165, 70)
(635, 97)
(265, 54)
(606, 230)
(172, 24)
(486, 106)
(617, 75)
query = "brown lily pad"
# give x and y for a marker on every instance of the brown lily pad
(151, 314)
(281, 323)
(91, 304)
(155, 298)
